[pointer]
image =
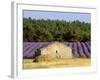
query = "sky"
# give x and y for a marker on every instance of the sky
(67, 16)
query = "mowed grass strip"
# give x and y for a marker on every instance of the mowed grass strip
(74, 62)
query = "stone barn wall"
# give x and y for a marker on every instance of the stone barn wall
(57, 50)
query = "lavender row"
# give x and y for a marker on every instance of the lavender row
(30, 50)
(79, 49)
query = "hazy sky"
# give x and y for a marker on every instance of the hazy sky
(86, 17)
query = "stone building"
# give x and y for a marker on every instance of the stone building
(57, 50)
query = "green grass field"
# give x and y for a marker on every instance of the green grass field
(74, 62)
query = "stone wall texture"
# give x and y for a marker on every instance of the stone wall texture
(57, 50)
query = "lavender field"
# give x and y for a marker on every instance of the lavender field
(79, 49)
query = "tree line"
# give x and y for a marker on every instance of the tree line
(41, 30)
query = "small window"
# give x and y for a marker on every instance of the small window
(56, 51)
